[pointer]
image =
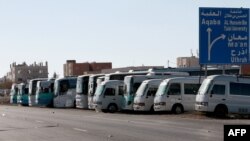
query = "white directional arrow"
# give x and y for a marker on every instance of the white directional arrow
(222, 36)
(210, 45)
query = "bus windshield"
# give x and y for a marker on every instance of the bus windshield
(141, 90)
(205, 86)
(162, 89)
(45, 87)
(99, 90)
(32, 87)
(56, 87)
(14, 89)
(127, 86)
(79, 86)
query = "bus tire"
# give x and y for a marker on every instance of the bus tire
(221, 111)
(51, 104)
(177, 109)
(112, 108)
(104, 110)
(152, 109)
(74, 106)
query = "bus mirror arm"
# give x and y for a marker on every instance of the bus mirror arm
(211, 93)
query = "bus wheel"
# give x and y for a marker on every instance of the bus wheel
(104, 110)
(152, 109)
(74, 106)
(177, 109)
(51, 105)
(112, 108)
(221, 111)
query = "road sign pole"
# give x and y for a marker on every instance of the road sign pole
(205, 70)
(223, 69)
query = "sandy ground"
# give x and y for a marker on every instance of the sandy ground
(4, 99)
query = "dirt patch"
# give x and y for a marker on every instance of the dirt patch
(4, 100)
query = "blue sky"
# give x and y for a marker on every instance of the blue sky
(124, 32)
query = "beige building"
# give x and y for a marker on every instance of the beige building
(23, 72)
(184, 62)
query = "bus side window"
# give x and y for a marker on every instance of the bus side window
(174, 89)
(46, 90)
(64, 88)
(135, 87)
(16, 89)
(52, 87)
(120, 91)
(151, 91)
(26, 90)
(218, 89)
(109, 92)
(191, 89)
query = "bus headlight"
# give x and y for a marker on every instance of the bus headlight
(202, 103)
(141, 104)
(162, 103)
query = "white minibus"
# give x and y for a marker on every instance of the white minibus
(177, 94)
(224, 94)
(108, 96)
(144, 98)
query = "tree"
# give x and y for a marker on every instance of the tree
(6, 85)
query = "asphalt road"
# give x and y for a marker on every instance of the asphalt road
(48, 124)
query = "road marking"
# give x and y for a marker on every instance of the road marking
(39, 121)
(78, 129)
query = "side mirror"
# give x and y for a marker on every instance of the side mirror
(168, 93)
(211, 93)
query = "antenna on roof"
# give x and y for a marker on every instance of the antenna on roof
(197, 53)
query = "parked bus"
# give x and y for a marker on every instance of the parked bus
(120, 76)
(177, 94)
(92, 88)
(144, 98)
(99, 80)
(65, 92)
(45, 93)
(82, 91)
(32, 90)
(108, 96)
(132, 83)
(224, 94)
(13, 93)
(23, 94)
